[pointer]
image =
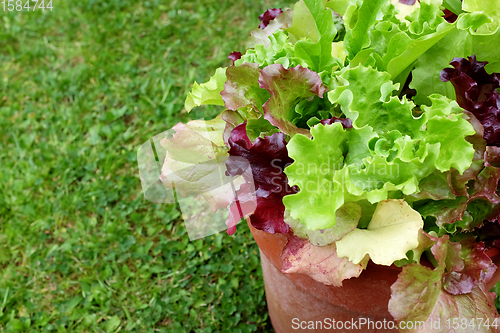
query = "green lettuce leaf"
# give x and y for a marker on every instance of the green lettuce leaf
(320, 31)
(360, 23)
(445, 121)
(315, 163)
(473, 34)
(425, 76)
(278, 51)
(364, 95)
(207, 93)
(384, 36)
(387, 152)
(347, 216)
(490, 8)
(392, 232)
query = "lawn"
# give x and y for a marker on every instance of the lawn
(81, 88)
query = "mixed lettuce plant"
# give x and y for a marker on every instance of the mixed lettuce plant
(372, 131)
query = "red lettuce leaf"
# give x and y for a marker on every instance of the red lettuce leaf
(476, 92)
(268, 16)
(287, 87)
(472, 267)
(423, 294)
(319, 262)
(486, 185)
(268, 157)
(492, 156)
(242, 87)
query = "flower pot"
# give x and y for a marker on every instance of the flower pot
(297, 303)
(296, 300)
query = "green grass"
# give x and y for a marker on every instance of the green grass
(81, 88)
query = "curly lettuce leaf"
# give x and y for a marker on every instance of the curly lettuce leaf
(276, 50)
(371, 163)
(207, 93)
(287, 87)
(445, 120)
(364, 94)
(392, 232)
(315, 163)
(490, 8)
(476, 92)
(319, 262)
(242, 89)
(474, 33)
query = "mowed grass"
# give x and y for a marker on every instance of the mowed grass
(81, 88)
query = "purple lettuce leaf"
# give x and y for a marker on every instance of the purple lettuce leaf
(449, 16)
(319, 262)
(287, 87)
(407, 2)
(233, 56)
(420, 293)
(268, 16)
(476, 92)
(268, 157)
(471, 81)
(491, 119)
(346, 122)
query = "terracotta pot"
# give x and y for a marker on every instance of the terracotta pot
(297, 303)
